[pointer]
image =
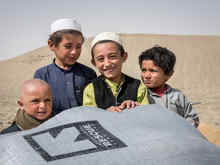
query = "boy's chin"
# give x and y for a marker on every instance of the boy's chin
(148, 85)
(109, 76)
(151, 86)
(70, 63)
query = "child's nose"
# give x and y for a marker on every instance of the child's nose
(147, 74)
(106, 62)
(73, 51)
(42, 104)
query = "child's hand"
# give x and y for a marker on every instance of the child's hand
(125, 104)
(128, 104)
(114, 109)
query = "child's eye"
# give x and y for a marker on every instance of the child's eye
(100, 59)
(68, 46)
(152, 70)
(78, 46)
(35, 101)
(47, 100)
(113, 56)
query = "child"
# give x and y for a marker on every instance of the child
(112, 90)
(157, 66)
(66, 77)
(35, 106)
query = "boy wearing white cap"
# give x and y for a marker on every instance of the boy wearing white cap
(112, 90)
(65, 75)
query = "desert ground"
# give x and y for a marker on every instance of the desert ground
(196, 73)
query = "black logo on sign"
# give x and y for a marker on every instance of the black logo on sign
(73, 140)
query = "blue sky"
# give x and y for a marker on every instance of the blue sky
(25, 24)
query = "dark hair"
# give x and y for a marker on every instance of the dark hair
(120, 47)
(161, 57)
(57, 37)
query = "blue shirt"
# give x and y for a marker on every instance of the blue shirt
(66, 85)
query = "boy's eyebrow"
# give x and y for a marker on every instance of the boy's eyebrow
(35, 99)
(100, 56)
(68, 43)
(116, 52)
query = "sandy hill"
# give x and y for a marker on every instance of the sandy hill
(196, 73)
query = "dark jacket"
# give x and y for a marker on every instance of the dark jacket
(128, 91)
(12, 128)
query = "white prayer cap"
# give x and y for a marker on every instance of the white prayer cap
(65, 23)
(110, 36)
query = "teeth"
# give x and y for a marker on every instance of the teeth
(41, 112)
(109, 70)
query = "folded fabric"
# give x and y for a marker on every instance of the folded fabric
(145, 135)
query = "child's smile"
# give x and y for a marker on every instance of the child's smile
(108, 60)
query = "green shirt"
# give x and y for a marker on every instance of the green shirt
(89, 93)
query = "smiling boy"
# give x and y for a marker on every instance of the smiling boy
(112, 90)
(157, 66)
(66, 77)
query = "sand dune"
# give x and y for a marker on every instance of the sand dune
(196, 73)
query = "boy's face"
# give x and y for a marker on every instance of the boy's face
(37, 102)
(108, 60)
(152, 75)
(68, 50)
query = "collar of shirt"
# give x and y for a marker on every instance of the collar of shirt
(115, 86)
(160, 91)
(166, 89)
(68, 70)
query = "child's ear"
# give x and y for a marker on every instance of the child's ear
(21, 105)
(125, 56)
(93, 61)
(170, 74)
(50, 45)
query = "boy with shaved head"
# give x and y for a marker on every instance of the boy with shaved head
(35, 104)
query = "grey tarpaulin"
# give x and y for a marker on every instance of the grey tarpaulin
(146, 135)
